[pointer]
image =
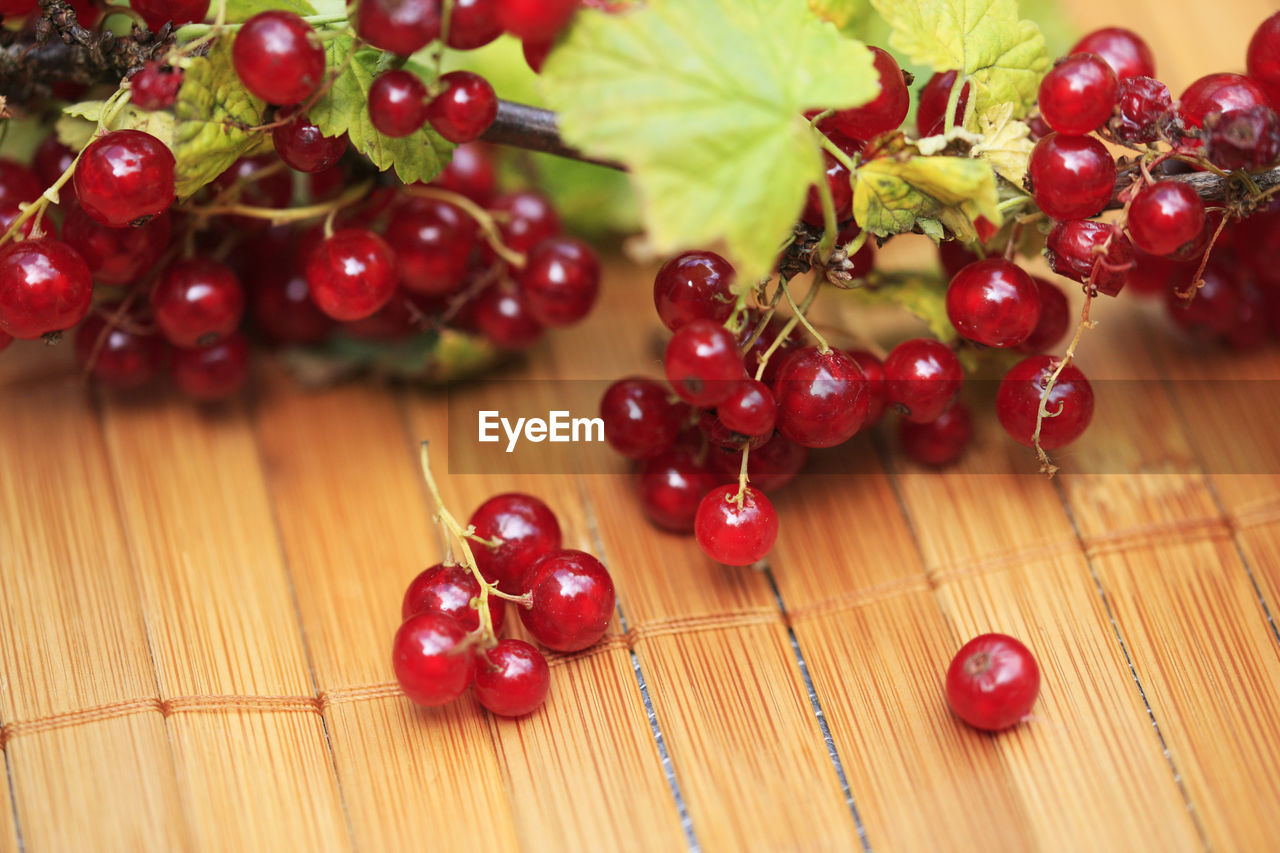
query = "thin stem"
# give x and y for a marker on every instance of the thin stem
(800, 313)
(278, 216)
(186, 33)
(1046, 465)
(742, 476)
(483, 218)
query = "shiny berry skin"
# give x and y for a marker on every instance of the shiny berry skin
(822, 397)
(465, 108)
(211, 373)
(125, 176)
(922, 379)
(1018, 402)
(1165, 216)
(1072, 177)
(1124, 50)
(473, 23)
(749, 409)
(1055, 317)
(994, 303)
(529, 218)
(400, 26)
(736, 535)
(1243, 139)
(1078, 94)
(992, 682)
(116, 255)
(304, 148)
(1263, 57)
(156, 86)
(430, 660)
(157, 13)
(932, 109)
(841, 194)
(640, 419)
(572, 600)
(873, 371)
(1218, 93)
(44, 287)
(50, 160)
(449, 590)
(502, 315)
(282, 307)
(1145, 105)
(397, 103)
(351, 274)
(702, 363)
(433, 241)
(118, 356)
(1072, 252)
(694, 286)
(886, 111)
(279, 58)
(535, 20)
(197, 302)
(938, 443)
(527, 529)
(672, 485)
(512, 678)
(560, 280)
(469, 173)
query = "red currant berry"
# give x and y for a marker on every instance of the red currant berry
(1078, 94)
(873, 371)
(197, 302)
(1243, 139)
(351, 274)
(44, 287)
(512, 679)
(211, 373)
(283, 310)
(397, 103)
(155, 86)
(1075, 249)
(1263, 57)
(841, 193)
(125, 176)
(465, 108)
(672, 485)
(431, 659)
(473, 24)
(1070, 404)
(1072, 177)
(528, 219)
(1055, 316)
(749, 409)
(1218, 93)
(525, 527)
(279, 58)
(932, 109)
(1165, 216)
(50, 160)
(1212, 313)
(560, 280)
(449, 590)
(822, 397)
(938, 443)
(157, 13)
(694, 286)
(400, 26)
(120, 356)
(116, 255)
(640, 420)
(1124, 50)
(1145, 107)
(303, 147)
(702, 363)
(993, 682)
(470, 173)
(886, 111)
(535, 20)
(733, 534)
(502, 315)
(994, 303)
(433, 241)
(572, 598)
(922, 378)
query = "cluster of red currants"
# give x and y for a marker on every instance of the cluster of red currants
(446, 643)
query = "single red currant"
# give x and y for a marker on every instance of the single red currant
(1124, 50)
(693, 286)
(672, 485)
(749, 409)
(1078, 94)
(433, 241)
(397, 103)
(470, 173)
(525, 529)
(449, 590)
(994, 303)
(560, 280)
(501, 313)
(465, 108)
(116, 255)
(125, 176)
(1218, 93)
(1055, 316)
(155, 86)
(572, 599)
(1145, 108)
(992, 682)
(922, 379)
(1070, 404)
(822, 397)
(938, 443)
(120, 356)
(1076, 250)
(1165, 216)
(535, 20)
(512, 678)
(640, 419)
(873, 371)
(932, 109)
(431, 659)
(1263, 57)
(197, 302)
(303, 147)
(1212, 314)
(351, 274)
(886, 111)
(527, 219)
(44, 287)
(279, 58)
(157, 13)
(211, 373)
(1243, 139)
(400, 26)
(1072, 177)
(733, 533)
(702, 363)
(473, 24)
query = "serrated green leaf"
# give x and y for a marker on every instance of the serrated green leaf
(924, 296)
(242, 10)
(82, 120)
(849, 16)
(1003, 56)
(215, 116)
(344, 108)
(702, 100)
(1006, 143)
(890, 196)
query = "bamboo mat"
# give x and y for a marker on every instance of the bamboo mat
(196, 610)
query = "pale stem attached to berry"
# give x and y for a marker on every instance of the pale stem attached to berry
(483, 218)
(281, 216)
(823, 347)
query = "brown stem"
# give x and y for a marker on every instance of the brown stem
(534, 129)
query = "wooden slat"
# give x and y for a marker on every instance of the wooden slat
(8, 829)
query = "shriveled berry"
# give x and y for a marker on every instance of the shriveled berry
(1243, 139)
(1145, 108)
(1075, 248)
(571, 600)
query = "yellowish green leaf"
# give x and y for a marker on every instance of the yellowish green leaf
(243, 10)
(850, 16)
(890, 196)
(79, 122)
(923, 295)
(1006, 143)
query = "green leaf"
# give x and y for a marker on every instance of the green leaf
(702, 100)
(1006, 144)
(923, 295)
(215, 114)
(242, 10)
(850, 16)
(428, 357)
(890, 196)
(1003, 56)
(80, 121)
(344, 108)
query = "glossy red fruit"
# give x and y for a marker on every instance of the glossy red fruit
(211, 373)
(572, 599)
(694, 286)
(1243, 139)
(993, 302)
(1073, 251)
(992, 682)
(156, 85)
(535, 20)
(640, 419)
(430, 659)
(351, 274)
(822, 397)
(397, 103)
(197, 302)
(116, 255)
(732, 534)
(469, 173)
(527, 219)
(702, 363)
(1078, 94)
(934, 97)
(512, 678)
(449, 590)
(1145, 107)
(473, 24)
(922, 379)
(883, 113)
(560, 280)
(501, 313)
(157, 13)
(1072, 177)
(672, 485)
(841, 194)
(938, 443)
(400, 26)
(526, 528)
(433, 241)
(1218, 93)
(1263, 57)
(303, 147)
(465, 108)
(50, 160)
(1124, 50)
(1018, 402)
(750, 409)
(1055, 317)
(120, 356)
(44, 287)
(873, 371)
(124, 176)
(279, 58)
(283, 310)
(1165, 216)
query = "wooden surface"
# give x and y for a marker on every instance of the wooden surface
(197, 608)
